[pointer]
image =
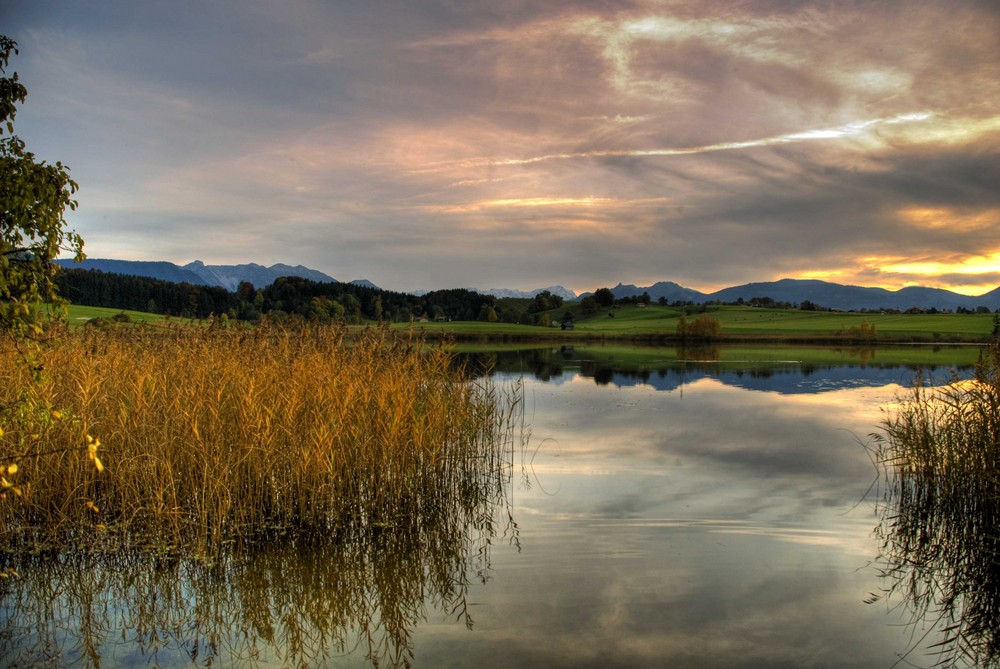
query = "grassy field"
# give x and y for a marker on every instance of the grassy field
(738, 322)
(652, 322)
(79, 315)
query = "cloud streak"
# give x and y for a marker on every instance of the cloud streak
(847, 131)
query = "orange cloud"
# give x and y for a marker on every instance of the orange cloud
(950, 219)
(967, 275)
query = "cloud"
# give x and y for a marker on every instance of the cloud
(703, 142)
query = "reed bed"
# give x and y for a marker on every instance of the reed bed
(940, 516)
(214, 436)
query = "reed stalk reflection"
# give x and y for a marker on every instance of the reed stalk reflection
(291, 604)
(940, 516)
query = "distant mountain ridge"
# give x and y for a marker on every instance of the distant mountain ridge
(821, 293)
(795, 291)
(560, 291)
(200, 274)
(230, 276)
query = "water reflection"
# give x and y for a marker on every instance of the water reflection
(780, 370)
(940, 525)
(346, 599)
(721, 528)
(714, 527)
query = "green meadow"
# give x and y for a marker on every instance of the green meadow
(741, 323)
(654, 323)
(79, 315)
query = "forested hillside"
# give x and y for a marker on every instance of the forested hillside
(288, 297)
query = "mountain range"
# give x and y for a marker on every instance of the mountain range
(794, 291)
(200, 274)
(822, 293)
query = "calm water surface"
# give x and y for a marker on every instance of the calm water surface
(697, 515)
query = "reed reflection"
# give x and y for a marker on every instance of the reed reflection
(291, 604)
(940, 517)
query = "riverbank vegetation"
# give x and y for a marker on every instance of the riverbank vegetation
(939, 455)
(212, 436)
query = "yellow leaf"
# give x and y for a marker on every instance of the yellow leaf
(12, 468)
(92, 506)
(98, 464)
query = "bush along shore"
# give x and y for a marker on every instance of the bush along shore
(187, 439)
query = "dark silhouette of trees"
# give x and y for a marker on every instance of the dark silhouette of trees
(544, 301)
(119, 291)
(604, 297)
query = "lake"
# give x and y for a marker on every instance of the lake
(682, 508)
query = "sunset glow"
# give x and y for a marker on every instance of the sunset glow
(423, 145)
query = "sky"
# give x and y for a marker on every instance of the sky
(441, 144)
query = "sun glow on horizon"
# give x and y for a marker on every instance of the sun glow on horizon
(972, 276)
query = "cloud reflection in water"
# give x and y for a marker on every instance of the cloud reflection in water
(714, 527)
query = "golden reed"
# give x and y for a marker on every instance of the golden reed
(209, 436)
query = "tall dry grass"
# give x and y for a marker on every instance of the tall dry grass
(939, 453)
(211, 435)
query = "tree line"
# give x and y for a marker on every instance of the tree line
(286, 298)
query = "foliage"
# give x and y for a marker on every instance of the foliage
(294, 295)
(287, 298)
(138, 293)
(34, 196)
(604, 297)
(703, 327)
(588, 305)
(544, 301)
(864, 331)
